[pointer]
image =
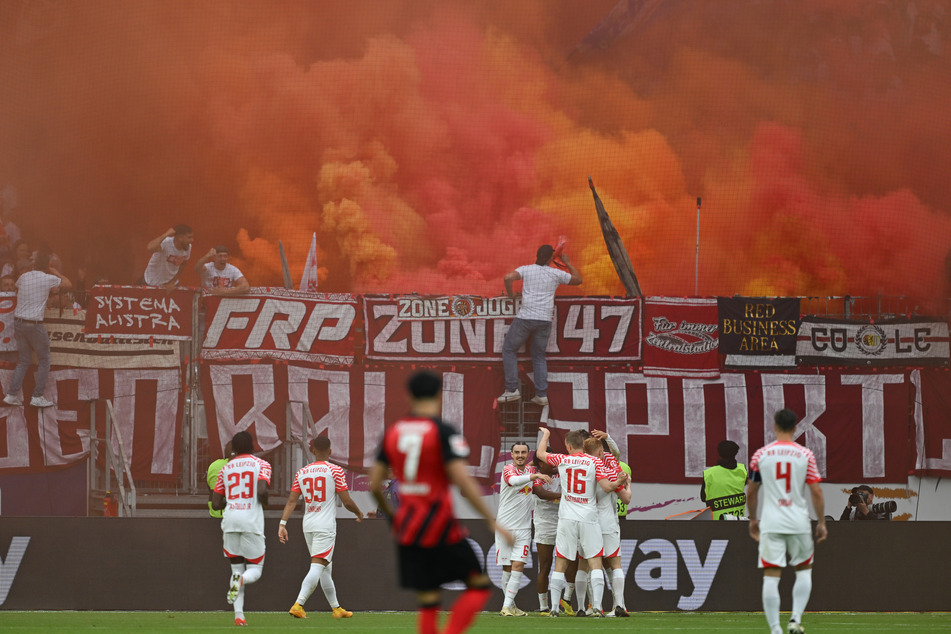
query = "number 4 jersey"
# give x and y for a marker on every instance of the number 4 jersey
(318, 483)
(238, 482)
(784, 468)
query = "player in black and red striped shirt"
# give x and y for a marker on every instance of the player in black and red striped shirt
(425, 456)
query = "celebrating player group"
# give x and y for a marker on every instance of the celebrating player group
(571, 499)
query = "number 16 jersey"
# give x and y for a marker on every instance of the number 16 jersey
(579, 475)
(785, 468)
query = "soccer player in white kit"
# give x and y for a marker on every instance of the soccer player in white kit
(320, 483)
(608, 517)
(783, 469)
(516, 503)
(241, 491)
(578, 528)
(545, 520)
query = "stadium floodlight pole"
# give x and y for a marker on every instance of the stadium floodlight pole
(696, 265)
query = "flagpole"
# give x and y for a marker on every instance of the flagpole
(696, 265)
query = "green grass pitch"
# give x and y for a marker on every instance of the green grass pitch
(11, 621)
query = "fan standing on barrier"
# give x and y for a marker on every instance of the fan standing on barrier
(33, 291)
(241, 491)
(783, 469)
(320, 483)
(533, 321)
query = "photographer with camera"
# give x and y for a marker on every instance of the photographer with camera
(861, 507)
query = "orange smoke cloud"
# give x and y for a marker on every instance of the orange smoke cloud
(432, 146)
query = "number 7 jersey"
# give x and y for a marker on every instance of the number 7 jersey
(417, 450)
(785, 468)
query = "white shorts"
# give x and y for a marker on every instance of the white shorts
(247, 545)
(612, 543)
(576, 538)
(519, 550)
(321, 544)
(774, 547)
(546, 530)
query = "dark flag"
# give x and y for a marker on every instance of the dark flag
(622, 263)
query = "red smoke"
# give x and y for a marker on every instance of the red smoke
(433, 145)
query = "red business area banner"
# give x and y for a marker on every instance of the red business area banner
(350, 405)
(139, 311)
(281, 324)
(147, 404)
(595, 329)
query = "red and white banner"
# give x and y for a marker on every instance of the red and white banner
(147, 406)
(932, 415)
(281, 324)
(680, 337)
(139, 312)
(431, 329)
(907, 342)
(71, 347)
(8, 302)
(351, 406)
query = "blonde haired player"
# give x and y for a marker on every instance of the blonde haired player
(783, 469)
(578, 527)
(320, 483)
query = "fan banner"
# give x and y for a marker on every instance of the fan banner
(434, 329)
(8, 302)
(147, 405)
(895, 342)
(350, 405)
(680, 337)
(932, 414)
(758, 331)
(276, 323)
(139, 312)
(70, 346)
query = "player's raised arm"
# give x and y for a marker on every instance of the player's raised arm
(542, 451)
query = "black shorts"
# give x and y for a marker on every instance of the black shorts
(428, 568)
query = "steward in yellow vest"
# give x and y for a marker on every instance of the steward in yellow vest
(724, 485)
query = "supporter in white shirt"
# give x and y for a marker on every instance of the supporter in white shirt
(241, 491)
(783, 470)
(218, 277)
(170, 251)
(578, 529)
(516, 503)
(533, 321)
(320, 483)
(33, 292)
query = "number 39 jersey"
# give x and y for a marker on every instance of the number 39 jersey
(238, 482)
(417, 450)
(785, 468)
(579, 474)
(318, 483)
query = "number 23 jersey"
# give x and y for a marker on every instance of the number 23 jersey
(417, 450)
(318, 483)
(784, 468)
(238, 482)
